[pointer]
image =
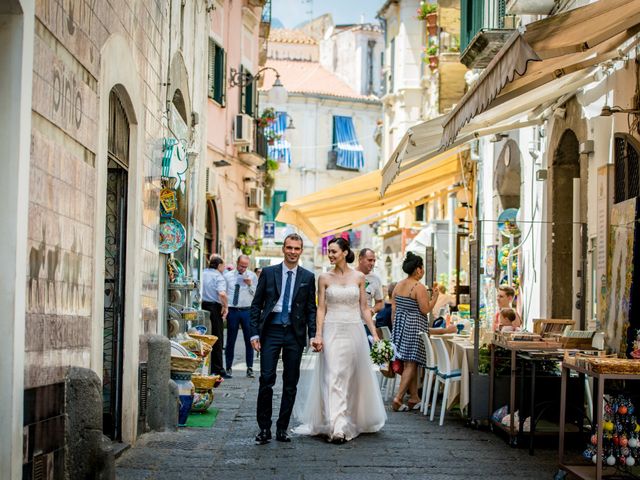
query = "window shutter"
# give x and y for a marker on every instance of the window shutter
(223, 75)
(211, 84)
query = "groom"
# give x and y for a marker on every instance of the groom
(282, 312)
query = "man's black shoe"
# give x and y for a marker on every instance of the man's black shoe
(250, 373)
(229, 372)
(263, 437)
(281, 436)
(225, 375)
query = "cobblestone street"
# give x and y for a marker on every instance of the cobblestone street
(409, 446)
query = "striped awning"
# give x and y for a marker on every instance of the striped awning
(280, 149)
(350, 152)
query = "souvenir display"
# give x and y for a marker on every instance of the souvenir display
(168, 202)
(620, 434)
(172, 235)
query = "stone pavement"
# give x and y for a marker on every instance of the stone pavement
(409, 446)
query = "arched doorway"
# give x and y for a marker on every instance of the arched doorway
(115, 265)
(211, 235)
(565, 167)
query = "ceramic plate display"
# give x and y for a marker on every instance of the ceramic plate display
(172, 235)
(507, 223)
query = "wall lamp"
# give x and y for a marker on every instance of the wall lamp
(277, 93)
(607, 111)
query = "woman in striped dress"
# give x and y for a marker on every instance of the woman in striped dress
(410, 305)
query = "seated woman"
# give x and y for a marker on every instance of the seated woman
(410, 304)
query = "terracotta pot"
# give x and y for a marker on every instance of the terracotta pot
(433, 62)
(432, 19)
(432, 30)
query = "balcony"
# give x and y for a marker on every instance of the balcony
(255, 153)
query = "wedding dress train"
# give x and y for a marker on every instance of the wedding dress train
(341, 398)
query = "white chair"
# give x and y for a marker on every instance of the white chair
(388, 385)
(444, 375)
(429, 373)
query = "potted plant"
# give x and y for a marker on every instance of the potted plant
(427, 11)
(247, 244)
(432, 54)
(267, 118)
(269, 179)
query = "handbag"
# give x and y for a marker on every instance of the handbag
(397, 366)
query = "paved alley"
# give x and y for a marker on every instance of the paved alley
(410, 446)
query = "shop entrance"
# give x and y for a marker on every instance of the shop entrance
(566, 167)
(114, 267)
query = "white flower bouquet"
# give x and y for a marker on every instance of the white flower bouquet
(382, 352)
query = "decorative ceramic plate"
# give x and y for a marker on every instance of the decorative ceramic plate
(172, 235)
(507, 223)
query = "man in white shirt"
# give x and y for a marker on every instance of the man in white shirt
(214, 300)
(372, 283)
(241, 287)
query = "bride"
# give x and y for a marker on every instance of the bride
(343, 399)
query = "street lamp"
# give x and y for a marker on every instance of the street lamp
(277, 93)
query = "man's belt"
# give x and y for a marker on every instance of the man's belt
(240, 309)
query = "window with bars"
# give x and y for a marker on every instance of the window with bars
(627, 170)
(217, 76)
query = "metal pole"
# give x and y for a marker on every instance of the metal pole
(576, 259)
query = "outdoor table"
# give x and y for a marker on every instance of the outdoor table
(461, 354)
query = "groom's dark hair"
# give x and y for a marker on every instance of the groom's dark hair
(295, 237)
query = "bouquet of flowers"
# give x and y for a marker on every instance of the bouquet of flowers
(382, 352)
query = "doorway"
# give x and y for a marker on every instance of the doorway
(566, 167)
(114, 267)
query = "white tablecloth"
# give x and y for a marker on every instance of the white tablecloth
(461, 354)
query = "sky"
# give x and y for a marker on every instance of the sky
(293, 12)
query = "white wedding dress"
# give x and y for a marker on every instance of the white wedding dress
(340, 396)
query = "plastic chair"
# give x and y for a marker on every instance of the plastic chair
(444, 375)
(429, 373)
(388, 385)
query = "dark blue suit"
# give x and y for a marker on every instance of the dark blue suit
(274, 339)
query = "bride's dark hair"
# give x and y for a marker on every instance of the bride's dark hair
(345, 246)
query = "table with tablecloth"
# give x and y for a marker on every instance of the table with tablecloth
(461, 354)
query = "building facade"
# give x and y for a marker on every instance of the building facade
(105, 90)
(324, 98)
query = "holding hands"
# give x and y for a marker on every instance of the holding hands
(316, 343)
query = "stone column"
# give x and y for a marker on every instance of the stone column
(162, 398)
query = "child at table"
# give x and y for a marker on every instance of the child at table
(507, 317)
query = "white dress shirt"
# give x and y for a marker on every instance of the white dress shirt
(213, 284)
(278, 307)
(246, 292)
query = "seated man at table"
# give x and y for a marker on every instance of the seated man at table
(507, 320)
(504, 299)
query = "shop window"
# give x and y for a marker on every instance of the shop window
(627, 175)
(217, 90)
(420, 213)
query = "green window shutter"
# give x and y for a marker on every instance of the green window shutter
(279, 196)
(211, 83)
(223, 77)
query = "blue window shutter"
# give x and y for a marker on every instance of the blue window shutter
(350, 153)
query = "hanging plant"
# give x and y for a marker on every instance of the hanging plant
(267, 118)
(248, 244)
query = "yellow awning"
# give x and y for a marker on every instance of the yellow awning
(358, 201)
(546, 50)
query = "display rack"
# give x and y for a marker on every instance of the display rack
(597, 471)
